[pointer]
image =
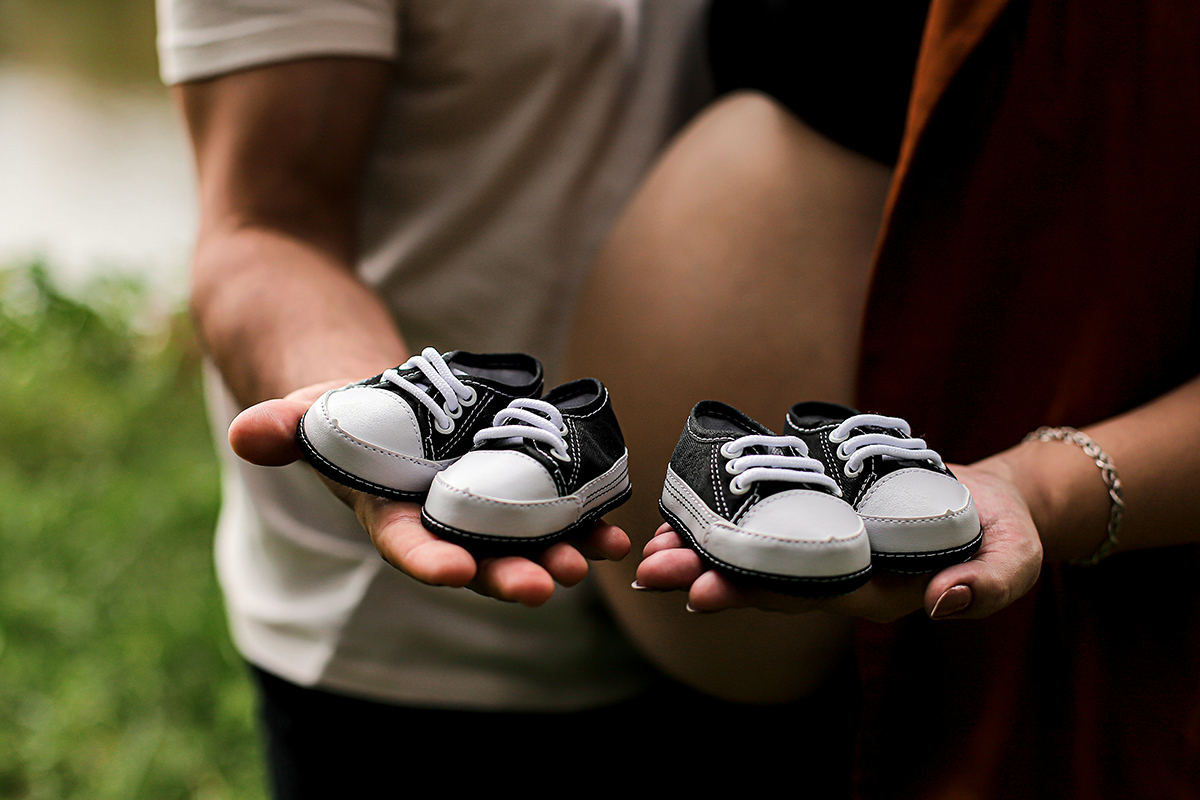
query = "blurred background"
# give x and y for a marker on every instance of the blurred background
(116, 676)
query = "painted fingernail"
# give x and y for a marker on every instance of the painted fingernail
(953, 601)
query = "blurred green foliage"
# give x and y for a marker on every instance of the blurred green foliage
(110, 41)
(117, 679)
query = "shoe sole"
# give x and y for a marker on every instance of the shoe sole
(923, 563)
(616, 480)
(793, 585)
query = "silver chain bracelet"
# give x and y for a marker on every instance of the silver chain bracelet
(1108, 472)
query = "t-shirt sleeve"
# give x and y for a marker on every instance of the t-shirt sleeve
(202, 38)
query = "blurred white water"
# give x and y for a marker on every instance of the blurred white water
(93, 181)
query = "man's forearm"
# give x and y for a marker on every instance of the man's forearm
(277, 313)
(280, 153)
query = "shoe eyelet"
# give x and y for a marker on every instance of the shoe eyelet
(563, 457)
(852, 473)
(444, 431)
(837, 492)
(736, 487)
(841, 451)
(455, 414)
(728, 453)
(838, 439)
(731, 469)
(467, 402)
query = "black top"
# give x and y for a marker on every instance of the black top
(845, 68)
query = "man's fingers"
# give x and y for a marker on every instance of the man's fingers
(407, 545)
(265, 434)
(566, 565)
(514, 579)
(403, 541)
(604, 542)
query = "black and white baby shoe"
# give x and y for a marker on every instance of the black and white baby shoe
(755, 505)
(544, 469)
(918, 516)
(390, 434)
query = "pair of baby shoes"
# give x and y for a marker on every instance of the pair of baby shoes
(809, 512)
(496, 465)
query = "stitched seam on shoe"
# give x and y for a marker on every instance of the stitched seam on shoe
(750, 502)
(571, 438)
(727, 525)
(781, 540)
(696, 511)
(792, 578)
(927, 553)
(718, 485)
(335, 468)
(701, 437)
(597, 492)
(919, 520)
(508, 503)
(685, 500)
(730, 419)
(831, 460)
(591, 413)
(466, 422)
(375, 449)
(617, 476)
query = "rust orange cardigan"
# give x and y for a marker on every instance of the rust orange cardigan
(1038, 266)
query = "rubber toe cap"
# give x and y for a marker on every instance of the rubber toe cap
(501, 475)
(919, 511)
(913, 494)
(375, 417)
(798, 533)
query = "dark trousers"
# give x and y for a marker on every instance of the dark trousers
(668, 740)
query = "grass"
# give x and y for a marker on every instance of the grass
(106, 41)
(117, 679)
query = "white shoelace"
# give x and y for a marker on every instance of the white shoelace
(748, 469)
(857, 449)
(454, 392)
(535, 419)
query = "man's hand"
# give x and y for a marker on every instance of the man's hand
(265, 434)
(1005, 568)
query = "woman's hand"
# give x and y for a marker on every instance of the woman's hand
(1005, 567)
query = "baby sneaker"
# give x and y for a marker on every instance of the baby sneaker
(918, 516)
(390, 434)
(543, 470)
(755, 505)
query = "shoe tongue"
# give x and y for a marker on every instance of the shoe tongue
(515, 441)
(418, 379)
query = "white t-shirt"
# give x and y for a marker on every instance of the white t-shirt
(514, 133)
